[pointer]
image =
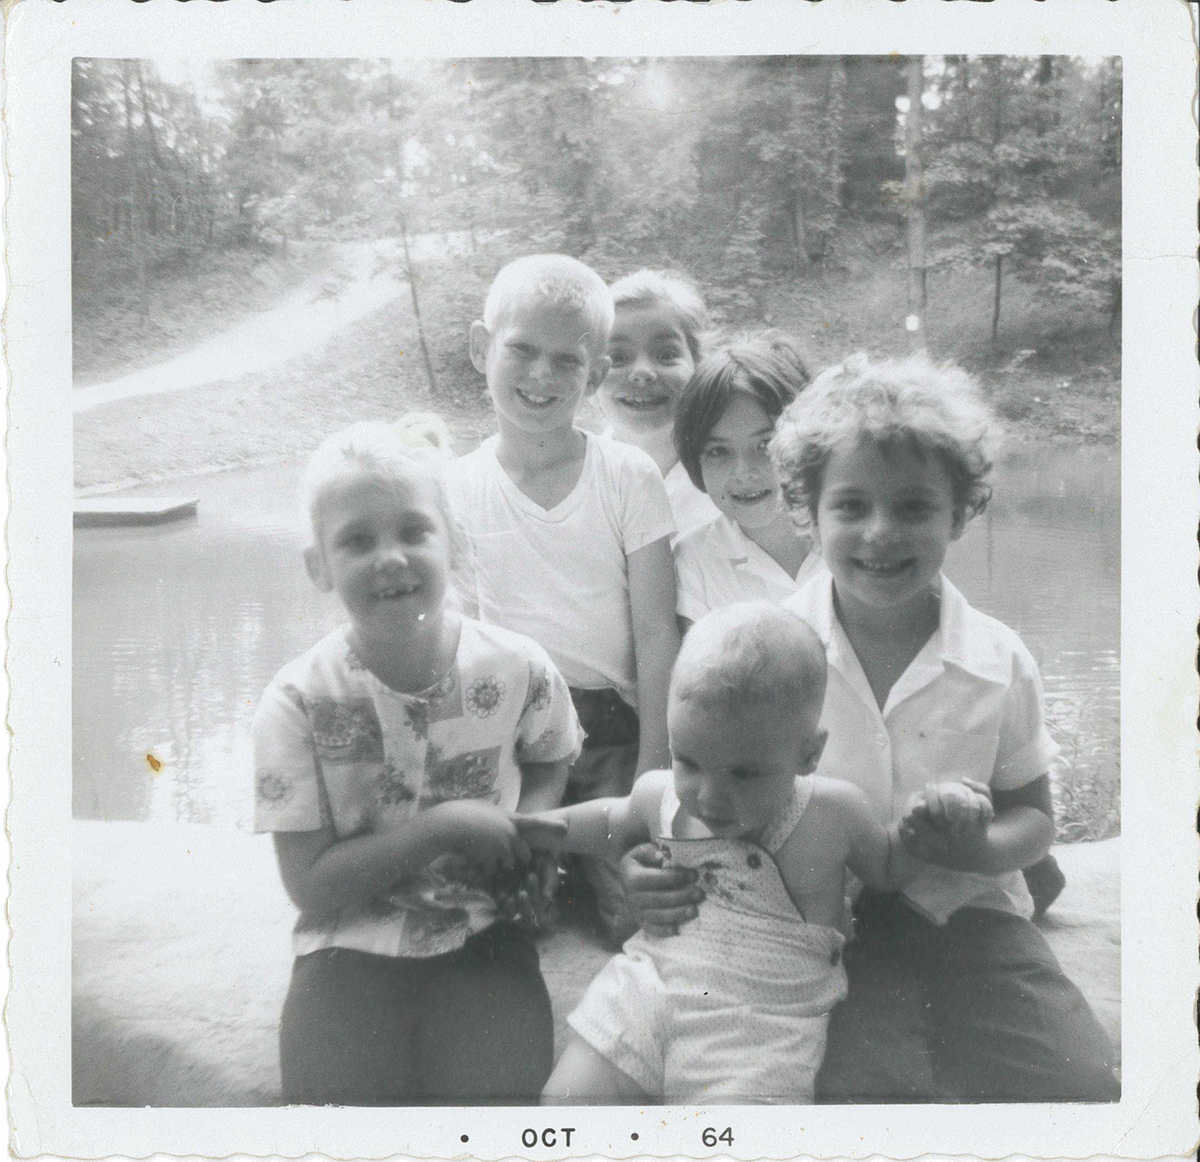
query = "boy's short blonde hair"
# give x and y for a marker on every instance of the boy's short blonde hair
(752, 653)
(560, 280)
(666, 288)
(382, 450)
(911, 403)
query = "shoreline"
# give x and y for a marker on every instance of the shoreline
(152, 1025)
(1013, 435)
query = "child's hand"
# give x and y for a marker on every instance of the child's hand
(525, 897)
(946, 823)
(484, 834)
(661, 898)
(541, 829)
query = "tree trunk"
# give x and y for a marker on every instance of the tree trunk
(835, 156)
(915, 198)
(996, 301)
(416, 306)
(799, 225)
(152, 139)
(799, 216)
(408, 263)
(136, 240)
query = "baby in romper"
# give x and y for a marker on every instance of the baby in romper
(734, 1008)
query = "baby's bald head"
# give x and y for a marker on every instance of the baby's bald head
(749, 654)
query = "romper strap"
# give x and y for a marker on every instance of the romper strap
(786, 821)
(667, 807)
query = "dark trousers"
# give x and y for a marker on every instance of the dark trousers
(605, 768)
(472, 1027)
(976, 1010)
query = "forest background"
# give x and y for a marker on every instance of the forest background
(832, 197)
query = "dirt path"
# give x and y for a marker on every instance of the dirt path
(233, 412)
(361, 281)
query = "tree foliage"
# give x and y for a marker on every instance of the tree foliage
(1025, 155)
(741, 170)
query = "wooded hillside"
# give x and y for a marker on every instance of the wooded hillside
(763, 177)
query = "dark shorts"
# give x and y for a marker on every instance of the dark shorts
(605, 768)
(976, 1010)
(471, 1027)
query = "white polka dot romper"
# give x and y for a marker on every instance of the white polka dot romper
(736, 1006)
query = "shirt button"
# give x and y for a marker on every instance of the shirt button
(754, 860)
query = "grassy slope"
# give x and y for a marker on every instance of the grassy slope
(111, 338)
(1070, 389)
(261, 418)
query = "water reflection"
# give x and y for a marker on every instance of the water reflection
(178, 629)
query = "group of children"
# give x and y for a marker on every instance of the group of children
(840, 732)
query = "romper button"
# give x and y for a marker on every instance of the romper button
(754, 860)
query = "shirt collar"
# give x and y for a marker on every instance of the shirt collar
(968, 639)
(727, 540)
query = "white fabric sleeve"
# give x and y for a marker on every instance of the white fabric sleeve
(548, 730)
(1025, 749)
(287, 783)
(645, 510)
(691, 592)
(464, 577)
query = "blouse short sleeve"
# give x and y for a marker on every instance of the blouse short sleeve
(548, 730)
(287, 786)
(1025, 749)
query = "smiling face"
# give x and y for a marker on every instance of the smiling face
(734, 767)
(884, 520)
(651, 364)
(736, 467)
(540, 361)
(384, 548)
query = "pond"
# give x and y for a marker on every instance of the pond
(178, 628)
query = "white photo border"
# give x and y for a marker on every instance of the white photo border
(1157, 1114)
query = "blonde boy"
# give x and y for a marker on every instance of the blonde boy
(735, 1007)
(568, 535)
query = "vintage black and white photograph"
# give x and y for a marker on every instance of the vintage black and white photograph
(596, 581)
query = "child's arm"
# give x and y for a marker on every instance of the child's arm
(655, 644)
(1018, 835)
(322, 873)
(542, 786)
(599, 826)
(874, 853)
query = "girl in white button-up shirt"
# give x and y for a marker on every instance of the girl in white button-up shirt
(954, 994)
(751, 551)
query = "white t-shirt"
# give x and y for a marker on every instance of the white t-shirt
(969, 705)
(689, 506)
(560, 575)
(717, 564)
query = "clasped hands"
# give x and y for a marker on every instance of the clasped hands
(947, 823)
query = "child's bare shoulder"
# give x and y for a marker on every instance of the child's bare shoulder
(838, 801)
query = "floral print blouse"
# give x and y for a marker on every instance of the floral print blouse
(335, 746)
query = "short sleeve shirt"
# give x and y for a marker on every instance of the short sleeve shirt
(969, 705)
(717, 565)
(335, 746)
(689, 506)
(561, 575)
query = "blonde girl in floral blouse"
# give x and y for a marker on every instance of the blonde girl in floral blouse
(389, 759)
